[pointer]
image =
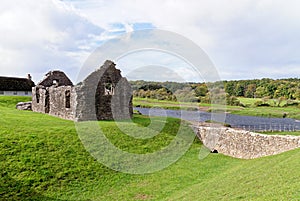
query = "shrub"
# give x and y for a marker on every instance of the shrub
(261, 104)
(291, 103)
(232, 100)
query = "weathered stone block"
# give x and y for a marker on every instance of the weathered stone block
(24, 105)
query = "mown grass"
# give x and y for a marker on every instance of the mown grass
(279, 112)
(251, 101)
(42, 158)
(172, 105)
(295, 133)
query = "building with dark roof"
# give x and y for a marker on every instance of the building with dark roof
(12, 86)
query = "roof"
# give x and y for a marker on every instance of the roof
(15, 84)
(55, 77)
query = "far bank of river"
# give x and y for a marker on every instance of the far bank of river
(252, 123)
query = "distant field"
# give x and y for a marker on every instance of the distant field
(173, 105)
(42, 158)
(251, 101)
(275, 111)
(296, 133)
(248, 101)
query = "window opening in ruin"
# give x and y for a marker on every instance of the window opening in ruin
(47, 102)
(1, 92)
(109, 89)
(26, 92)
(37, 95)
(15, 93)
(68, 98)
(55, 82)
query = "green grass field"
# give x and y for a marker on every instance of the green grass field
(296, 133)
(290, 112)
(174, 105)
(251, 101)
(42, 158)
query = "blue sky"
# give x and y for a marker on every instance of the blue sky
(244, 39)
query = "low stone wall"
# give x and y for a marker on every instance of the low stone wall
(244, 144)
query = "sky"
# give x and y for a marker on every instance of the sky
(243, 39)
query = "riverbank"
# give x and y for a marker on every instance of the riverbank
(248, 110)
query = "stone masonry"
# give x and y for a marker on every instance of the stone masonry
(103, 95)
(244, 144)
(54, 95)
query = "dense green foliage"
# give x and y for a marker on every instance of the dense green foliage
(42, 158)
(277, 90)
(286, 88)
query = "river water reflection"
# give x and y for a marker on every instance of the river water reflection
(246, 122)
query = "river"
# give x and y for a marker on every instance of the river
(246, 122)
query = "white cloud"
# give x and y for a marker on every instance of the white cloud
(37, 36)
(235, 34)
(241, 37)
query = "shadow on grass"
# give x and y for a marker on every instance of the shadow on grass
(11, 189)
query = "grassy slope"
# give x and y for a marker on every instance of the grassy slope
(43, 159)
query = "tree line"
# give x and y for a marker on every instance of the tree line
(281, 89)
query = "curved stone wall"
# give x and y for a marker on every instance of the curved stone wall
(244, 144)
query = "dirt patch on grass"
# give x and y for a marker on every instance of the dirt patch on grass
(142, 197)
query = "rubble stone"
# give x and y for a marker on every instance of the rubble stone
(24, 105)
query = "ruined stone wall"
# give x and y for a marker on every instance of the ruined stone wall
(121, 102)
(103, 95)
(94, 104)
(38, 99)
(244, 144)
(62, 102)
(53, 100)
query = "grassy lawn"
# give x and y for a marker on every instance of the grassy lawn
(251, 101)
(174, 105)
(291, 111)
(296, 133)
(248, 101)
(42, 158)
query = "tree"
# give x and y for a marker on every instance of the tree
(250, 90)
(232, 100)
(260, 92)
(297, 94)
(229, 88)
(186, 95)
(201, 90)
(239, 90)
